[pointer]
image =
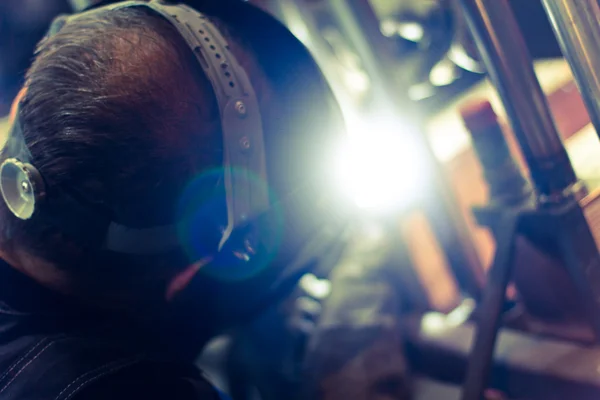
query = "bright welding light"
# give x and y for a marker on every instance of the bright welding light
(381, 169)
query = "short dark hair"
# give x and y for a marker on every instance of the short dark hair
(118, 111)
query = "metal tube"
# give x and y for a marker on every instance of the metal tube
(576, 24)
(510, 68)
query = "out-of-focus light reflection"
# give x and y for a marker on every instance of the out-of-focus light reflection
(412, 31)
(357, 81)
(295, 23)
(461, 314)
(301, 32)
(443, 73)
(408, 30)
(388, 28)
(421, 91)
(380, 167)
(317, 288)
(434, 323)
(459, 56)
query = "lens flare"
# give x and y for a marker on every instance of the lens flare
(203, 218)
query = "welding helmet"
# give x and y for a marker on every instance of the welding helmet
(278, 208)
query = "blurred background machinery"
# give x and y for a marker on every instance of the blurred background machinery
(401, 70)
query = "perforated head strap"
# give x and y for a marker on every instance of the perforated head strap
(244, 161)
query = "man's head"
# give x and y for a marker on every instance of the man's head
(119, 114)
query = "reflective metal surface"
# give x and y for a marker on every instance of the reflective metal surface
(510, 68)
(577, 27)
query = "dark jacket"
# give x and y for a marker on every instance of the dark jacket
(52, 349)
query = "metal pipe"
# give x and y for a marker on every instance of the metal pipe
(510, 68)
(576, 24)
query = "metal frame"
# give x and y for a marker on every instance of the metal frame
(557, 218)
(525, 366)
(576, 24)
(565, 228)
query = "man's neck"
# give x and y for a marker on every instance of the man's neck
(179, 338)
(40, 271)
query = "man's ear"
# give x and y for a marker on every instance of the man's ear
(15, 104)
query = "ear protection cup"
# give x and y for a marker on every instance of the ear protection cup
(22, 187)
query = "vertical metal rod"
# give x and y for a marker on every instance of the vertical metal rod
(576, 24)
(509, 65)
(482, 353)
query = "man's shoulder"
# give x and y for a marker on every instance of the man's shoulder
(67, 368)
(150, 382)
